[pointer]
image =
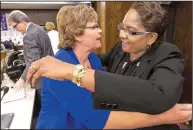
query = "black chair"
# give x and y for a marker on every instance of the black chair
(15, 66)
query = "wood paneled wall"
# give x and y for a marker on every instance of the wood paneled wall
(116, 12)
(110, 15)
(182, 37)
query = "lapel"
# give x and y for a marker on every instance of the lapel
(145, 61)
(141, 66)
(95, 61)
(118, 59)
(73, 56)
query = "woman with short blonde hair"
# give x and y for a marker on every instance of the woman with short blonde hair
(53, 35)
(50, 26)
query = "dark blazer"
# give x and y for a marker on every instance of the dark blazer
(36, 44)
(154, 87)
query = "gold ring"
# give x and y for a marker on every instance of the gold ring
(33, 68)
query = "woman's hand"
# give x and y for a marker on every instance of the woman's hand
(180, 113)
(49, 67)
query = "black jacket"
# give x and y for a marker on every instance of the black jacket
(154, 87)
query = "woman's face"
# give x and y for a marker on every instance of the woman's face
(133, 43)
(91, 39)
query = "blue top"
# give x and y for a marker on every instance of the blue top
(67, 106)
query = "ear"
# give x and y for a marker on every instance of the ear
(78, 38)
(152, 38)
(25, 23)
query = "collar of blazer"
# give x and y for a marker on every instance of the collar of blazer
(142, 65)
(118, 58)
(30, 26)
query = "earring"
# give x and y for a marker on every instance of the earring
(148, 46)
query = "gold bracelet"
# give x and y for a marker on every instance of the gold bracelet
(75, 73)
(80, 75)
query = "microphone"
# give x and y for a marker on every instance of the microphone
(5, 89)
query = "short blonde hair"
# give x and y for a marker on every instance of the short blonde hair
(50, 26)
(71, 22)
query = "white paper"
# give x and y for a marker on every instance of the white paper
(13, 95)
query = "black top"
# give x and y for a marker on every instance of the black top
(127, 66)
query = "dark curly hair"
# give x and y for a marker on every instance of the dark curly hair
(152, 16)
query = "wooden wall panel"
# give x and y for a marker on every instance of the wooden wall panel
(33, 15)
(100, 8)
(47, 15)
(115, 14)
(183, 39)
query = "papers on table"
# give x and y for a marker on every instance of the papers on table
(13, 95)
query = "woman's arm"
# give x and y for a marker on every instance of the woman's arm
(59, 70)
(55, 69)
(159, 93)
(133, 120)
(117, 119)
(164, 92)
(154, 96)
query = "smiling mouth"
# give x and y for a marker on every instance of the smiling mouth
(125, 43)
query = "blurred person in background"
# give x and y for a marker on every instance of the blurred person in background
(53, 34)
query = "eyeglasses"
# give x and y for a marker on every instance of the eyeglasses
(94, 27)
(15, 25)
(121, 27)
